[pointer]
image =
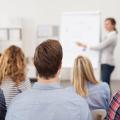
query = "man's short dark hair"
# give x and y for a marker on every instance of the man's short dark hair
(48, 58)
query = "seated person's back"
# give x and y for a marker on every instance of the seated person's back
(96, 93)
(47, 100)
(13, 73)
(10, 89)
(99, 96)
(113, 112)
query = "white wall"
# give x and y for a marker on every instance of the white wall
(35, 12)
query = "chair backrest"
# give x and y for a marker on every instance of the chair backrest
(99, 114)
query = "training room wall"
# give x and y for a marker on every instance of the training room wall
(35, 12)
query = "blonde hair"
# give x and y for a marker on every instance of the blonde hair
(82, 73)
(12, 65)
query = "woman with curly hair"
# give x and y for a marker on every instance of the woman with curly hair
(12, 73)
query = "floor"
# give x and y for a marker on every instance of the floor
(115, 85)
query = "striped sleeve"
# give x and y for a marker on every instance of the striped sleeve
(25, 85)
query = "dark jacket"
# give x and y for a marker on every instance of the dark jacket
(2, 106)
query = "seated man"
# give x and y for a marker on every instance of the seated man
(47, 100)
(114, 108)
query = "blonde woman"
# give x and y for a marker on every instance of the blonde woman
(96, 93)
(12, 73)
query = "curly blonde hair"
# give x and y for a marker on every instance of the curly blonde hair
(13, 65)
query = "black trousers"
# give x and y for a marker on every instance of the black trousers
(106, 71)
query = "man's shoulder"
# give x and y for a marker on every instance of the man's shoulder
(22, 96)
(62, 96)
(71, 95)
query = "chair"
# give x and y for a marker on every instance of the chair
(99, 114)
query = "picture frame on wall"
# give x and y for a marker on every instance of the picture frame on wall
(4, 34)
(44, 31)
(15, 34)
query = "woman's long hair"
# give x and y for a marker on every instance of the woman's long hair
(12, 65)
(83, 73)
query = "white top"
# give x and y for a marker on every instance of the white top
(10, 89)
(107, 47)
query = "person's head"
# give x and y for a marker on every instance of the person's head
(110, 24)
(12, 65)
(48, 59)
(82, 73)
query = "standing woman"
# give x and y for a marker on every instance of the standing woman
(106, 47)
